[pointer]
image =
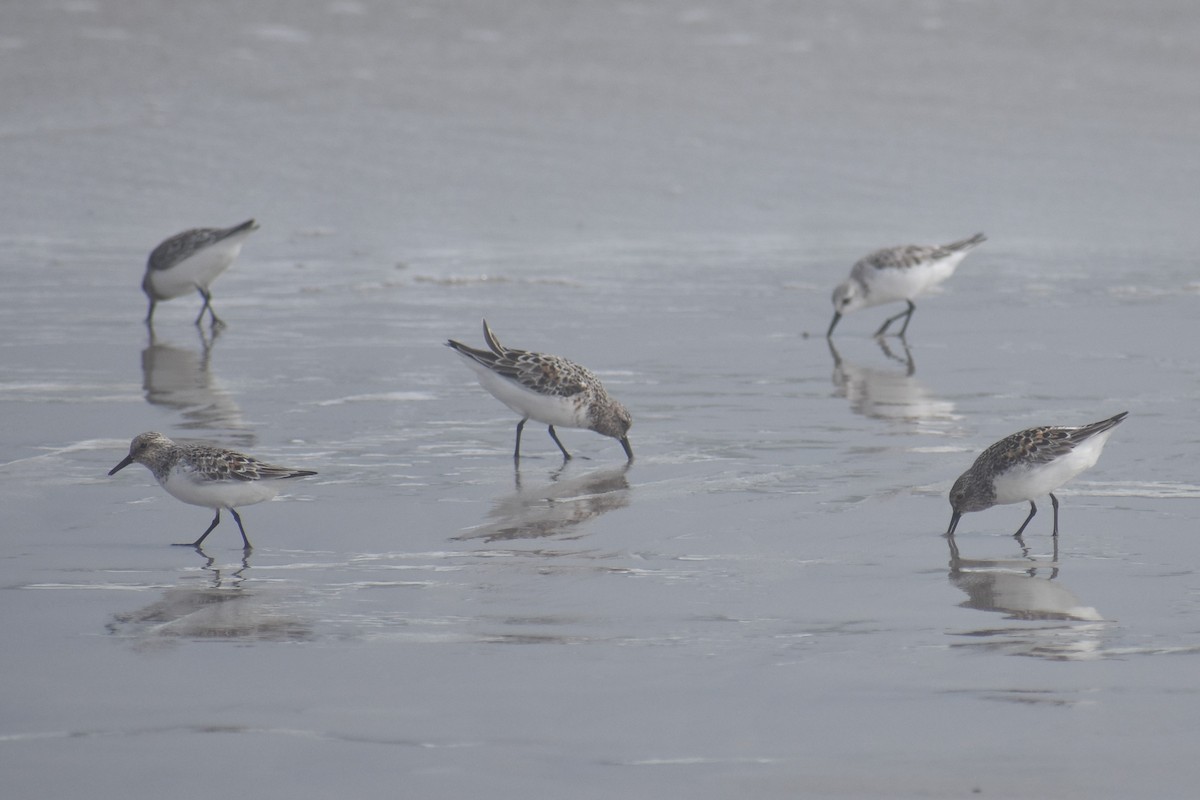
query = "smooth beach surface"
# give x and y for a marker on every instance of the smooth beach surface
(762, 604)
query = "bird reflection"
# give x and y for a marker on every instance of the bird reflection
(1027, 589)
(1014, 586)
(214, 604)
(555, 508)
(888, 394)
(180, 379)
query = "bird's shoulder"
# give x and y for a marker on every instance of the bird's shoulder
(178, 247)
(1034, 445)
(219, 464)
(901, 257)
(545, 374)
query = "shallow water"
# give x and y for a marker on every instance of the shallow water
(762, 603)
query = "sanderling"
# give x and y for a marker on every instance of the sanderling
(898, 273)
(548, 389)
(193, 260)
(206, 475)
(1026, 465)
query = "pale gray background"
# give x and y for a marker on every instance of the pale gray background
(667, 192)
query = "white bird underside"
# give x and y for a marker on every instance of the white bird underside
(198, 270)
(1022, 484)
(189, 486)
(548, 409)
(890, 284)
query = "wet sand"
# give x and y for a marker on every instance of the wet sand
(762, 603)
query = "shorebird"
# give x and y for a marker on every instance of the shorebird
(192, 260)
(1030, 463)
(206, 475)
(546, 388)
(898, 273)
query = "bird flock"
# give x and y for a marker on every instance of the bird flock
(555, 391)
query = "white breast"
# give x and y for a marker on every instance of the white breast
(549, 409)
(182, 484)
(200, 269)
(1018, 485)
(891, 283)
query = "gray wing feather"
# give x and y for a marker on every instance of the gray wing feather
(182, 245)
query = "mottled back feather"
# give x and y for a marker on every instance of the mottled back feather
(229, 465)
(911, 255)
(1043, 444)
(182, 245)
(162, 455)
(545, 374)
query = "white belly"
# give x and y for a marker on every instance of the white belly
(551, 410)
(200, 270)
(1020, 485)
(891, 284)
(182, 485)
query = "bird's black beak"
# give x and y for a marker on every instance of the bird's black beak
(953, 523)
(837, 315)
(628, 449)
(125, 462)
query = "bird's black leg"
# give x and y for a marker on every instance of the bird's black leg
(207, 295)
(908, 318)
(517, 451)
(196, 544)
(554, 436)
(238, 519)
(906, 313)
(150, 312)
(1032, 511)
(1054, 502)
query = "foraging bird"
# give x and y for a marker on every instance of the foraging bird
(898, 273)
(193, 260)
(548, 389)
(206, 475)
(1029, 464)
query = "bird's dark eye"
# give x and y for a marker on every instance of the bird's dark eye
(846, 301)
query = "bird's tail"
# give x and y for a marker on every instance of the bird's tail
(1088, 431)
(966, 244)
(491, 340)
(481, 356)
(248, 225)
(300, 473)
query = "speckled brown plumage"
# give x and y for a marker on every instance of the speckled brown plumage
(547, 388)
